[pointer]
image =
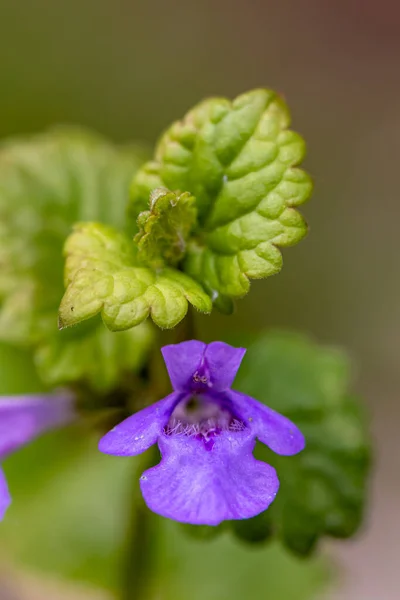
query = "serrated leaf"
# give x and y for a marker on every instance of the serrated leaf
(165, 228)
(102, 276)
(47, 182)
(238, 159)
(323, 489)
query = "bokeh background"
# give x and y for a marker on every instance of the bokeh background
(127, 68)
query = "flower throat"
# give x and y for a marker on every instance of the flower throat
(203, 419)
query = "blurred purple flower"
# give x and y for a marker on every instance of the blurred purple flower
(206, 433)
(22, 419)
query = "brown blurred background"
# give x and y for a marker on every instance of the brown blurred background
(128, 68)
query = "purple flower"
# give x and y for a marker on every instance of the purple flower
(206, 433)
(23, 418)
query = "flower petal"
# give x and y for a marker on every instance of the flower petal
(204, 487)
(223, 362)
(5, 498)
(140, 431)
(218, 361)
(270, 427)
(23, 418)
(182, 361)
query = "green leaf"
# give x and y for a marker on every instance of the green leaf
(323, 489)
(98, 358)
(48, 182)
(102, 276)
(165, 228)
(239, 161)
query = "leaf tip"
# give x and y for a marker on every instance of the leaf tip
(60, 323)
(64, 320)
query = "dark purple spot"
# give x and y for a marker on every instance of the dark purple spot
(208, 444)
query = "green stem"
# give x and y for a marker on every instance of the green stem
(186, 330)
(141, 550)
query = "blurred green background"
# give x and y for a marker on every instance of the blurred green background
(128, 68)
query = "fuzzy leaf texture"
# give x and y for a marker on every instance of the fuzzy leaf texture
(239, 161)
(323, 489)
(102, 275)
(165, 228)
(47, 182)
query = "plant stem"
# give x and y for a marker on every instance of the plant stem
(141, 550)
(186, 330)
